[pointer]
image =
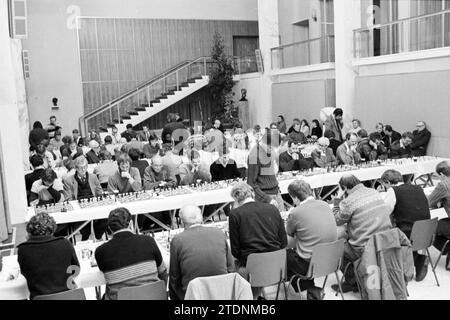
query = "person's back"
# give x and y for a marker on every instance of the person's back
(44, 261)
(197, 252)
(314, 224)
(128, 260)
(255, 227)
(366, 213)
(411, 205)
(141, 165)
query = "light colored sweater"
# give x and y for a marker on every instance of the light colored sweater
(365, 213)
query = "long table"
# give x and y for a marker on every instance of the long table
(405, 166)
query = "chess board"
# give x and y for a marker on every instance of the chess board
(54, 208)
(96, 202)
(134, 196)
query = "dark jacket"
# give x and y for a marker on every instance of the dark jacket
(129, 260)
(287, 163)
(92, 157)
(36, 136)
(389, 140)
(32, 177)
(219, 172)
(169, 128)
(44, 261)
(420, 142)
(387, 255)
(255, 228)
(396, 151)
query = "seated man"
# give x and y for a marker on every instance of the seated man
(171, 161)
(141, 165)
(292, 159)
(365, 213)
(126, 179)
(311, 222)
(323, 156)
(85, 185)
(38, 169)
(402, 147)
(255, 227)
(196, 252)
(441, 196)
(379, 150)
(390, 136)
(156, 176)
(194, 171)
(92, 155)
(130, 133)
(365, 146)
(72, 152)
(44, 259)
(421, 138)
(407, 204)
(224, 168)
(47, 190)
(346, 153)
(128, 259)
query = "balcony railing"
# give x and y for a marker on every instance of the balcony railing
(423, 32)
(245, 64)
(303, 53)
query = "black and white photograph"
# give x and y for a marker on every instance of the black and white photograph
(250, 156)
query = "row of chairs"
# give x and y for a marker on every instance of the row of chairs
(269, 269)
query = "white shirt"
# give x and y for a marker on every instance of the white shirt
(390, 198)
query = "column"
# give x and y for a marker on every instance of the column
(268, 38)
(347, 17)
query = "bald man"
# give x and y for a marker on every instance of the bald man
(156, 176)
(198, 251)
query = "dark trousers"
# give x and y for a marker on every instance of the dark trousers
(99, 229)
(442, 235)
(351, 254)
(298, 265)
(145, 223)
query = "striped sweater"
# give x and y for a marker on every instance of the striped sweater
(365, 213)
(441, 194)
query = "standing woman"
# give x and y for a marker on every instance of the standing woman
(281, 124)
(304, 128)
(316, 130)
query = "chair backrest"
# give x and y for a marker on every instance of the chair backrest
(229, 286)
(76, 294)
(266, 269)
(326, 258)
(151, 291)
(422, 234)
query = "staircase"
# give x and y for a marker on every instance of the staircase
(157, 94)
(149, 98)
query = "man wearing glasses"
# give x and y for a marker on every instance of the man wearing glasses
(420, 140)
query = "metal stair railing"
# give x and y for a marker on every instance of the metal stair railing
(151, 91)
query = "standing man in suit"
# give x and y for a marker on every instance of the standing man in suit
(77, 138)
(421, 138)
(334, 123)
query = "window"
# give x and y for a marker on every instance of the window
(18, 19)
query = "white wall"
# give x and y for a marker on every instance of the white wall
(253, 82)
(53, 45)
(11, 146)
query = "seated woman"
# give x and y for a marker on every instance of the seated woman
(46, 261)
(316, 130)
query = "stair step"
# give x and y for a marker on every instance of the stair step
(170, 92)
(144, 105)
(155, 101)
(102, 129)
(125, 116)
(116, 121)
(133, 113)
(111, 124)
(161, 98)
(184, 85)
(138, 109)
